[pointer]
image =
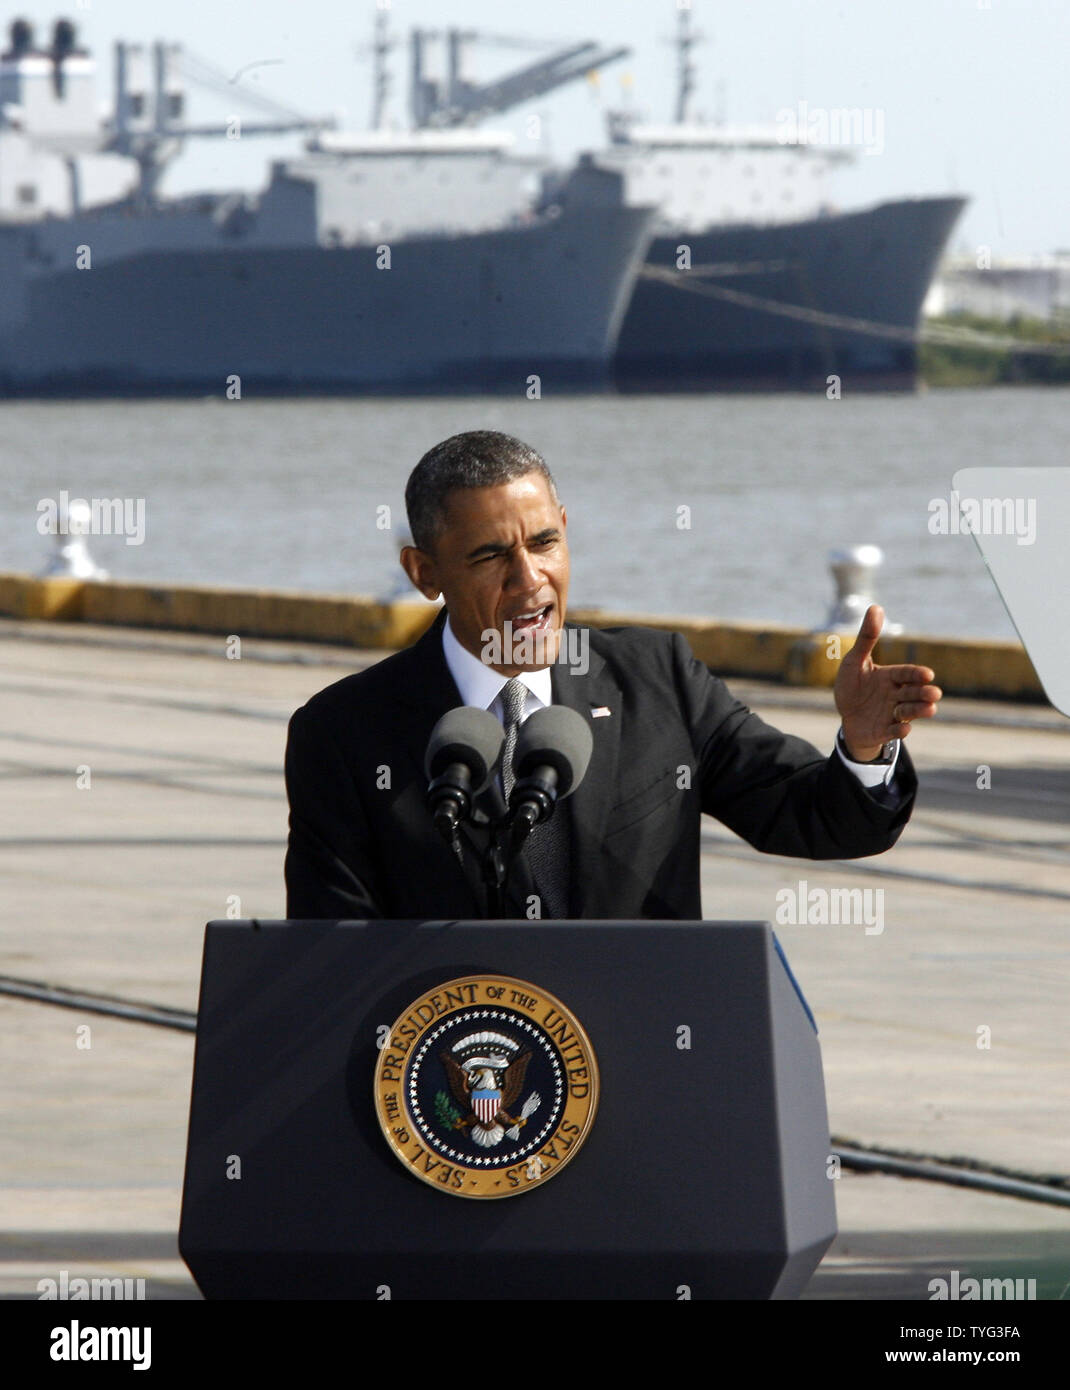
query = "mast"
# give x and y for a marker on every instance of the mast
(381, 47)
(685, 69)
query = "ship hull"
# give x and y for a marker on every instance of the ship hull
(873, 266)
(482, 312)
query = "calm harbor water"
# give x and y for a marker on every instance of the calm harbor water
(287, 494)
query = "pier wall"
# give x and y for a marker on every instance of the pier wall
(979, 667)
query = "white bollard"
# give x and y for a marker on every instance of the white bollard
(71, 558)
(854, 573)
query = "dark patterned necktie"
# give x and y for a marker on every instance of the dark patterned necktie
(547, 848)
(514, 696)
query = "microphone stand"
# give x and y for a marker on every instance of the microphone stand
(532, 802)
(495, 872)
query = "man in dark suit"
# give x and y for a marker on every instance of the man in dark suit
(669, 741)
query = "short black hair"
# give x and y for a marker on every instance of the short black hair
(478, 458)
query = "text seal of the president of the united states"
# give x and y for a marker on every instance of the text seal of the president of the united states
(486, 1087)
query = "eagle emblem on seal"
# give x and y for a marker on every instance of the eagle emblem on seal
(485, 1072)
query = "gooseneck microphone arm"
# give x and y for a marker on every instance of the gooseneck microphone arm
(496, 865)
(532, 802)
(449, 799)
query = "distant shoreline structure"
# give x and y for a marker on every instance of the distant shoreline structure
(1036, 352)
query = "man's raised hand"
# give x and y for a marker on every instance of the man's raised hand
(879, 703)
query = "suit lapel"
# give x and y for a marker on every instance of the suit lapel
(425, 687)
(591, 801)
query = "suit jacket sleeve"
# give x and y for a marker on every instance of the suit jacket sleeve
(777, 791)
(330, 868)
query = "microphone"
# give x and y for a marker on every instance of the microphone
(553, 749)
(460, 759)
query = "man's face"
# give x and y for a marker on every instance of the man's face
(501, 557)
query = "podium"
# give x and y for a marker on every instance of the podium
(703, 1173)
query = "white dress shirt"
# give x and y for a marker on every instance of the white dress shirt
(480, 685)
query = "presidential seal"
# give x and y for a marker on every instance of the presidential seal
(487, 1086)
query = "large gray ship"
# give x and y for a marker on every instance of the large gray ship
(335, 278)
(754, 279)
(437, 258)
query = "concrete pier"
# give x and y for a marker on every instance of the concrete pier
(144, 796)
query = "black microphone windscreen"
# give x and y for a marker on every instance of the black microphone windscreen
(465, 735)
(557, 737)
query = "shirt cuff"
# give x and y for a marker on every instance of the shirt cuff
(871, 774)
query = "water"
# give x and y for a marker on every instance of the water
(286, 494)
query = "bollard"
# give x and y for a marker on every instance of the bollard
(854, 572)
(71, 558)
(815, 659)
